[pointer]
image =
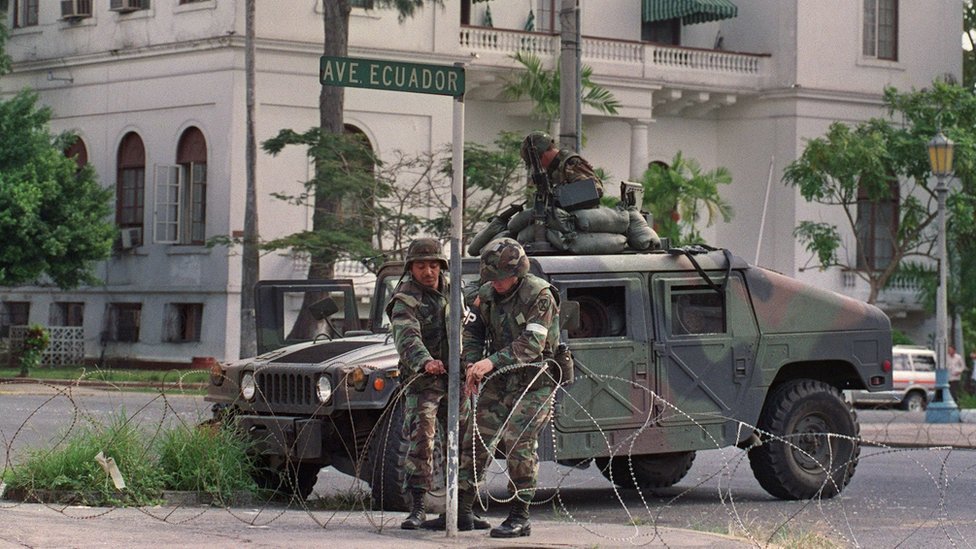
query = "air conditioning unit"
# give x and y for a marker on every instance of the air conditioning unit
(131, 237)
(75, 9)
(125, 6)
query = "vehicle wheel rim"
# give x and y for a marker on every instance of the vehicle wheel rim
(811, 449)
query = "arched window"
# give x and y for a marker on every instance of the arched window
(130, 186)
(78, 152)
(181, 193)
(191, 155)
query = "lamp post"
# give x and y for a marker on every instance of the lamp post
(943, 408)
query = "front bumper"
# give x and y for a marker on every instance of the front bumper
(287, 437)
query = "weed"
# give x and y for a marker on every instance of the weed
(210, 459)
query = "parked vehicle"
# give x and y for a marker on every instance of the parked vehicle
(675, 352)
(913, 381)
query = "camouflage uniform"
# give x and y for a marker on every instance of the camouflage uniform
(566, 167)
(418, 321)
(517, 329)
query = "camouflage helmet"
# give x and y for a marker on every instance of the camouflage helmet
(503, 258)
(540, 141)
(425, 249)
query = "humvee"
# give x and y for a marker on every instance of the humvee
(675, 352)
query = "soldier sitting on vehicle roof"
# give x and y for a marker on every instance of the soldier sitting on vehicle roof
(562, 165)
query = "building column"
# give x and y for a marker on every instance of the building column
(639, 130)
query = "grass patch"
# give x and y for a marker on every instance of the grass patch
(209, 459)
(967, 400)
(113, 375)
(71, 467)
(212, 459)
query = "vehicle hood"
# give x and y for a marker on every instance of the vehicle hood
(374, 350)
(786, 305)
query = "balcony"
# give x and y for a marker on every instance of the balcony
(681, 77)
(898, 299)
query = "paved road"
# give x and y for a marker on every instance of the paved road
(899, 496)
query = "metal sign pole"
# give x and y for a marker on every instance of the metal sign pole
(454, 364)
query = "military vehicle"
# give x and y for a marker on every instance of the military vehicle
(676, 352)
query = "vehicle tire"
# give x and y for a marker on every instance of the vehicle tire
(914, 402)
(384, 467)
(649, 471)
(288, 480)
(795, 460)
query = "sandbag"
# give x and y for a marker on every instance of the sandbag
(597, 243)
(640, 236)
(526, 235)
(521, 220)
(561, 220)
(602, 220)
(486, 235)
(557, 239)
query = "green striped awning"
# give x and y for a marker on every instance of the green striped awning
(690, 11)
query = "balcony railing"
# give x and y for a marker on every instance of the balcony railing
(507, 42)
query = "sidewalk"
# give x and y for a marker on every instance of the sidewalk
(918, 434)
(33, 525)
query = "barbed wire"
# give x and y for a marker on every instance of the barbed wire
(375, 436)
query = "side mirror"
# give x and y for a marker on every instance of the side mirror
(569, 316)
(323, 308)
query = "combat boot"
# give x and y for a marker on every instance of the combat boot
(417, 513)
(517, 524)
(467, 520)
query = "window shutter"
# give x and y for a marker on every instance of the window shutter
(168, 205)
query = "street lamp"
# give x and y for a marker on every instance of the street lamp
(943, 408)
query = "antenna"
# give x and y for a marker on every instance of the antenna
(762, 219)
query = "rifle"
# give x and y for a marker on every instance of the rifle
(543, 199)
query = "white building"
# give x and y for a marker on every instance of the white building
(155, 89)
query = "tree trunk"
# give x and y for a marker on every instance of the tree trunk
(250, 258)
(335, 21)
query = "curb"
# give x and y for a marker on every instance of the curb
(104, 384)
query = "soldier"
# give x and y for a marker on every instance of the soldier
(515, 331)
(418, 318)
(563, 166)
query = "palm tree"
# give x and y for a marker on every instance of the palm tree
(680, 196)
(542, 87)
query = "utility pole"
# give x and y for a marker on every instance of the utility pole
(249, 258)
(570, 99)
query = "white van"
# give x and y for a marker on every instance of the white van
(913, 380)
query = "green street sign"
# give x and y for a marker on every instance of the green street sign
(391, 75)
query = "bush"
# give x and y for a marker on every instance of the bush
(210, 458)
(35, 341)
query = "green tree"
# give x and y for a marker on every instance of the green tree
(53, 216)
(541, 86)
(871, 161)
(680, 196)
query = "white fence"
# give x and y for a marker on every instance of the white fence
(67, 346)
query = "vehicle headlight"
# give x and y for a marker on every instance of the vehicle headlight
(323, 389)
(248, 386)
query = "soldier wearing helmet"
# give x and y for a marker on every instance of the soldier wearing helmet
(515, 331)
(418, 321)
(562, 166)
